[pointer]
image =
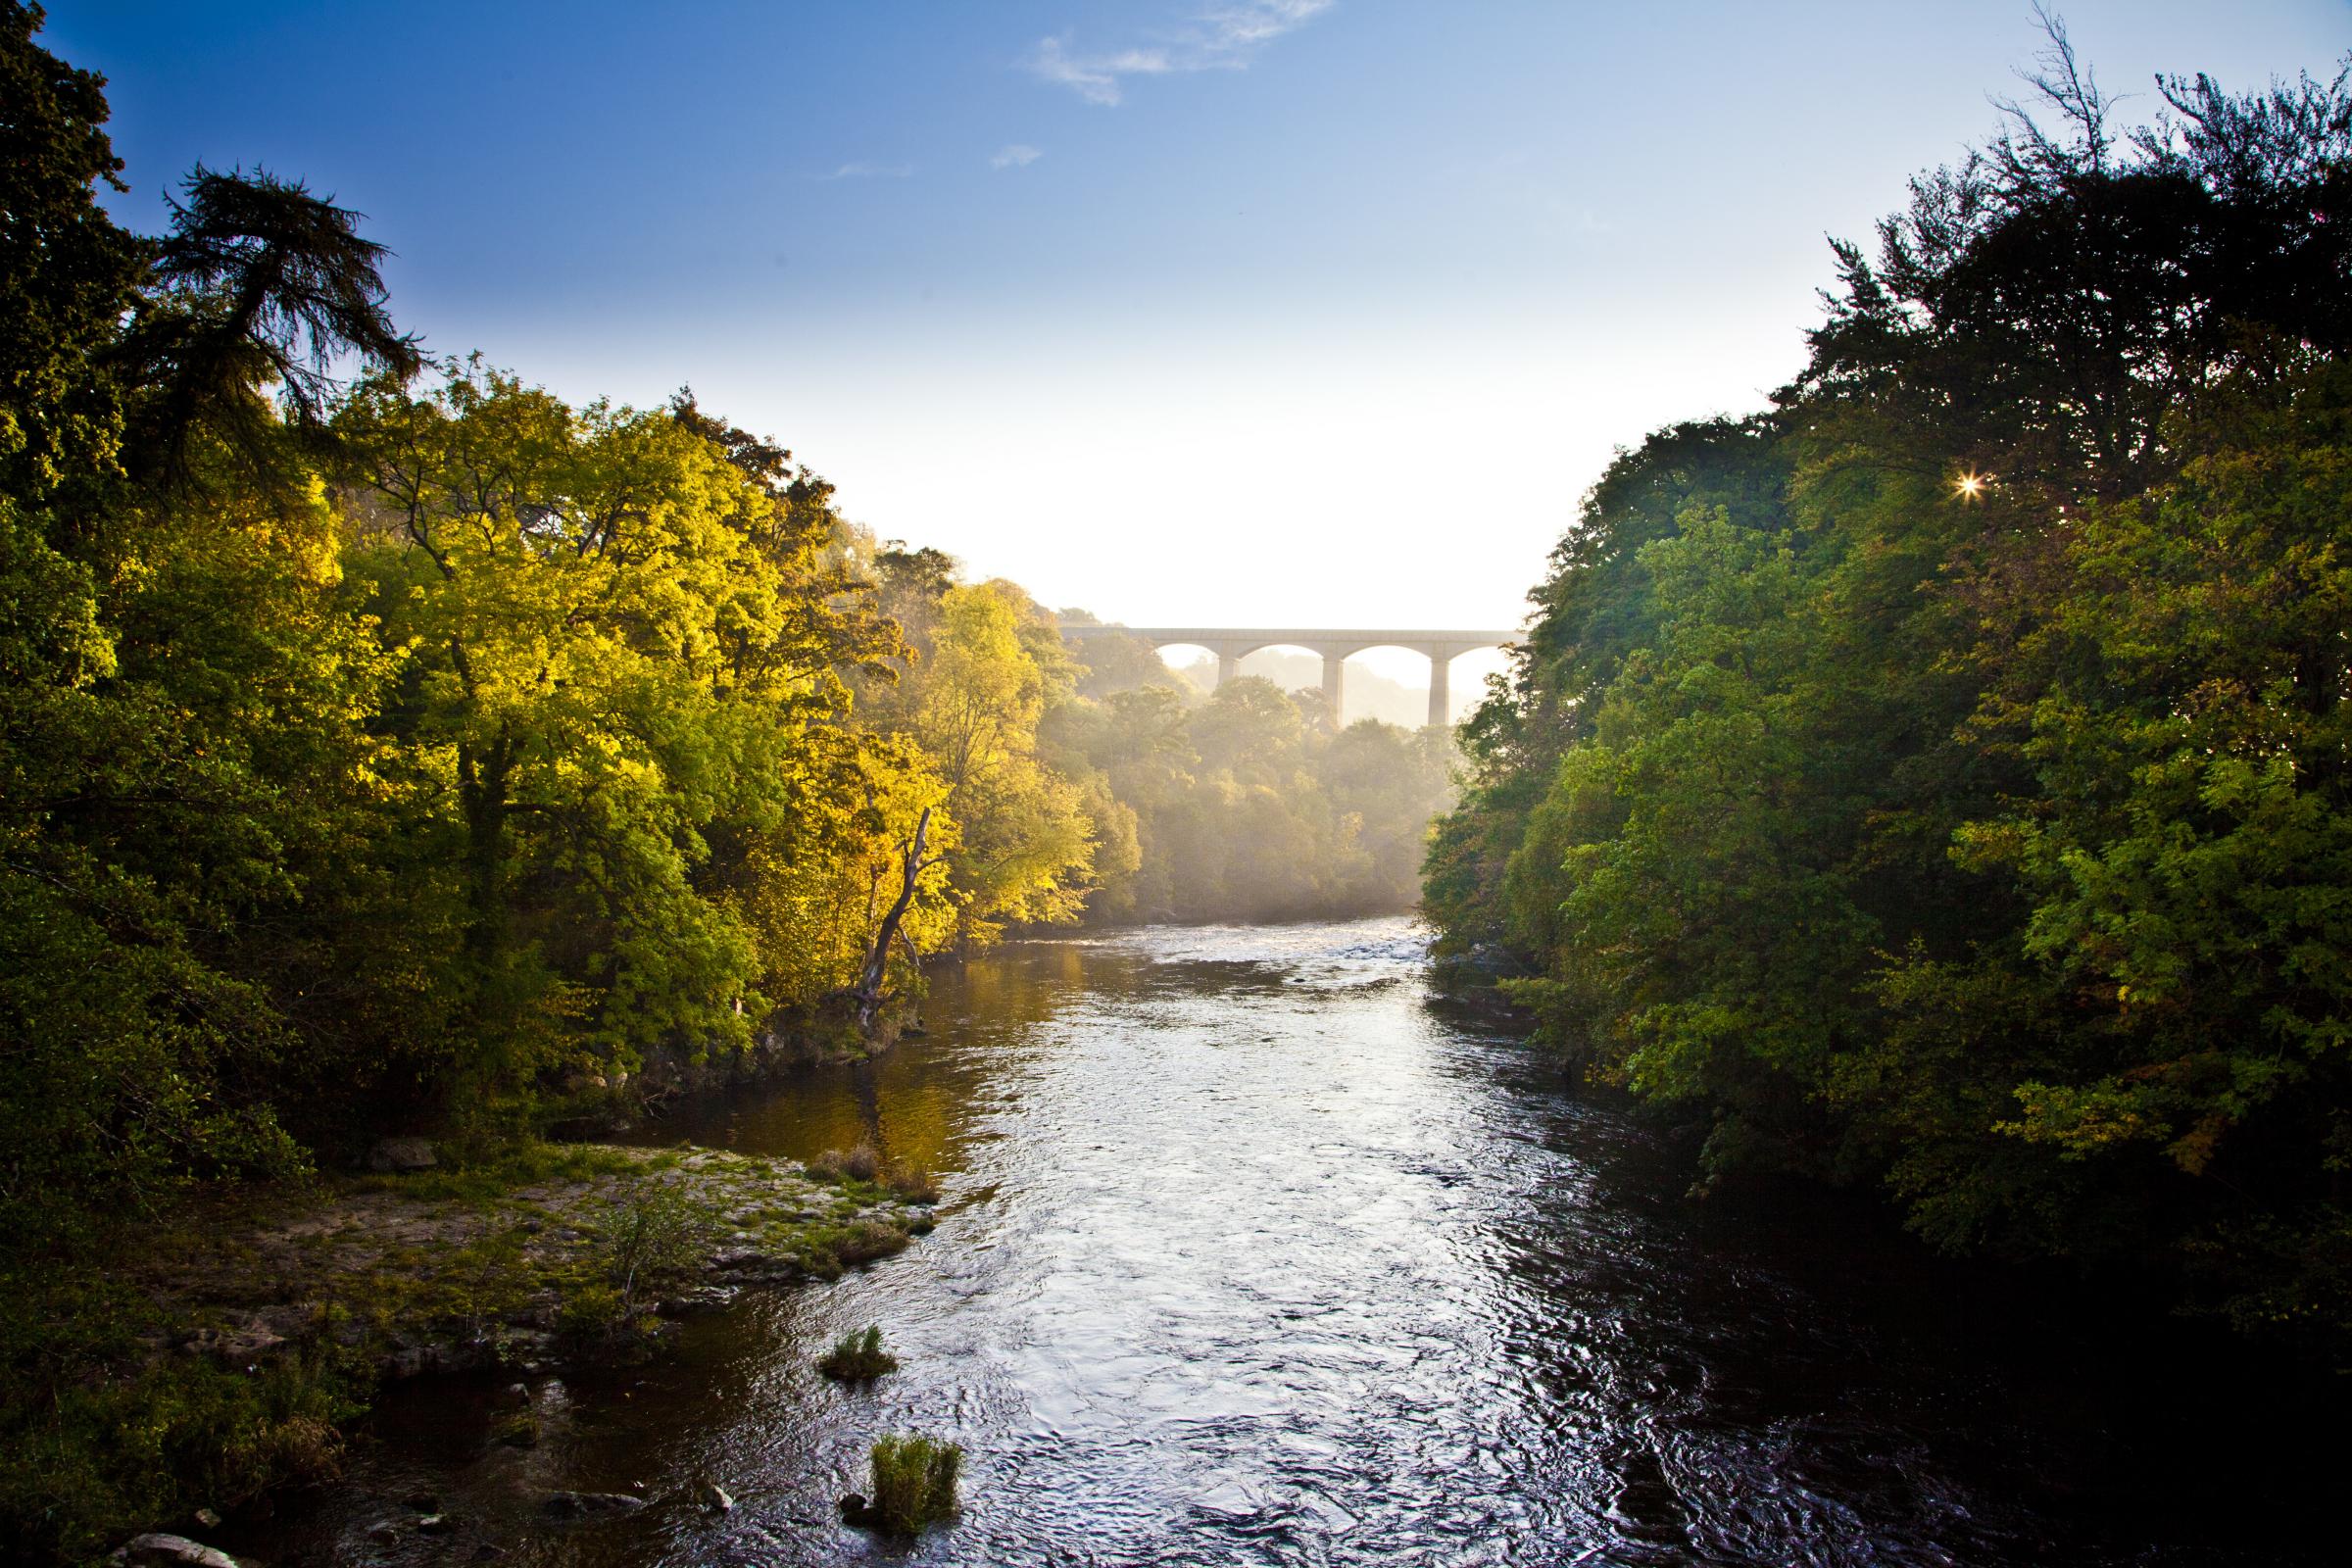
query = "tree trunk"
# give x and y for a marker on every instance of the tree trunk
(482, 783)
(911, 866)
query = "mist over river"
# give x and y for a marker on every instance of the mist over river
(1253, 1253)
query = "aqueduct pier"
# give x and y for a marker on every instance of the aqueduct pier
(1231, 644)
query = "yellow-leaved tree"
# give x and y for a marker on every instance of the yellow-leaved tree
(972, 703)
(623, 691)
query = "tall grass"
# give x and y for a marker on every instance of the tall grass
(915, 1483)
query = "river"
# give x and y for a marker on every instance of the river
(1251, 1254)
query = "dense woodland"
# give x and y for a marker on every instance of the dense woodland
(1942, 778)
(387, 744)
(385, 749)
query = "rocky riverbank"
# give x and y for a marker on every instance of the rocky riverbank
(554, 1256)
(457, 1272)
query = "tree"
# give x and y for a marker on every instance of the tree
(2173, 1002)
(1936, 780)
(67, 272)
(621, 680)
(178, 756)
(259, 285)
(974, 705)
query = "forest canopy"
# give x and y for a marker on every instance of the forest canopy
(1942, 778)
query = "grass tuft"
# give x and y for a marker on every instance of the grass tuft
(867, 1240)
(910, 1182)
(858, 1357)
(490, 1177)
(858, 1164)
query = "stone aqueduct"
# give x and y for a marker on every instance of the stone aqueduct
(1231, 644)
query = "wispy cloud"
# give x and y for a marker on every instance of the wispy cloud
(863, 169)
(1223, 37)
(1020, 155)
(1248, 23)
(1094, 77)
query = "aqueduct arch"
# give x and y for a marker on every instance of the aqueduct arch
(1231, 644)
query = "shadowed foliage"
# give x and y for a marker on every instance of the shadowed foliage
(1941, 778)
(259, 285)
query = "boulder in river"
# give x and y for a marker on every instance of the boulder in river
(401, 1155)
(157, 1548)
(714, 1497)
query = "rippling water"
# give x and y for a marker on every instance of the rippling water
(1252, 1255)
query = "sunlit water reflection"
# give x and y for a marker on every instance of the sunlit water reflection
(1252, 1255)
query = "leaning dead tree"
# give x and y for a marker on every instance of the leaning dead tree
(868, 993)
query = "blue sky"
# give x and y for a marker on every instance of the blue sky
(1219, 312)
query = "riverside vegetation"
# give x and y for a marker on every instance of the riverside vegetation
(1942, 778)
(914, 1484)
(388, 745)
(858, 1357)
(235, 1348)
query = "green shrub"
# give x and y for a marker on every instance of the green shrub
(592, 1312)
(915, 1483)
(857, 1356)
(93, 1449)
(654, 1232)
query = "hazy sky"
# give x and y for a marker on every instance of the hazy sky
(1232, 312)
